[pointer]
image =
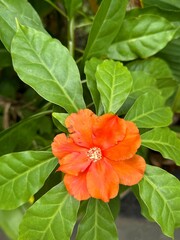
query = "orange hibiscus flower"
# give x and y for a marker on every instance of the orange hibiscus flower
(98, 155)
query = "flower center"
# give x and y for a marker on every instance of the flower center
(94, 154)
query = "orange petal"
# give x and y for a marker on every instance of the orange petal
(102, 181)
(108, 130)
(74, 163)
(76, 186)
(126, 148)
(130, 171)
(62, 146)
(80, 127)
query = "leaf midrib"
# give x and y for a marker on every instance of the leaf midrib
(51, 74)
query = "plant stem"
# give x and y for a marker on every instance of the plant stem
(71, 36)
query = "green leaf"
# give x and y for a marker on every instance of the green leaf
(157, 67)
(90, 70)
(171, 54)
(98, 222)
(176, 102)
(149, 111)
(141, 37)
(52, 217)
(105, 27)
(23, 11)
(19, 137)
(47, 66)
(72, 6)
(160, 192)
(22, 175)
(59, 120)
(142, 82)
(114, 83)
(164, 4)
(5, 58)
(10, 220)
(164, 141)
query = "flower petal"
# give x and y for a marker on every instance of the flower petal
(130, 171)
(126, 148)
(74, 163)
(62, 146)
(102, 181)
(76, 186)
(80, 127)
(108, 130)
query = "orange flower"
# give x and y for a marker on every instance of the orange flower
(98, 155)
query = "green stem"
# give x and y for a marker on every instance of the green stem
(71, 36)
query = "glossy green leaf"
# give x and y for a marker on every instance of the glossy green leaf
(141, 37)
(90, 70)
(105, 27)
(98, 222)
(47, 66)
(149, 111)
(72, 6)
(19, 137)
(160, 192)
(164, 4)
(164, 141)
(114, 83)
(23, 11)
(52, 217)
(22, 175)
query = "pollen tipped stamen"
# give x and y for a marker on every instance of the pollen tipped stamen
(94, 154)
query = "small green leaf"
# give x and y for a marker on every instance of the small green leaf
(105, 26)
(47, 66)
(160, 192)
(52, 217)
(22, 175)
(90, 70)
(149, 111)
(98, 222)
(59, 120)
(114, 83)
(23, 11)
(141, 37)
(164, 141)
